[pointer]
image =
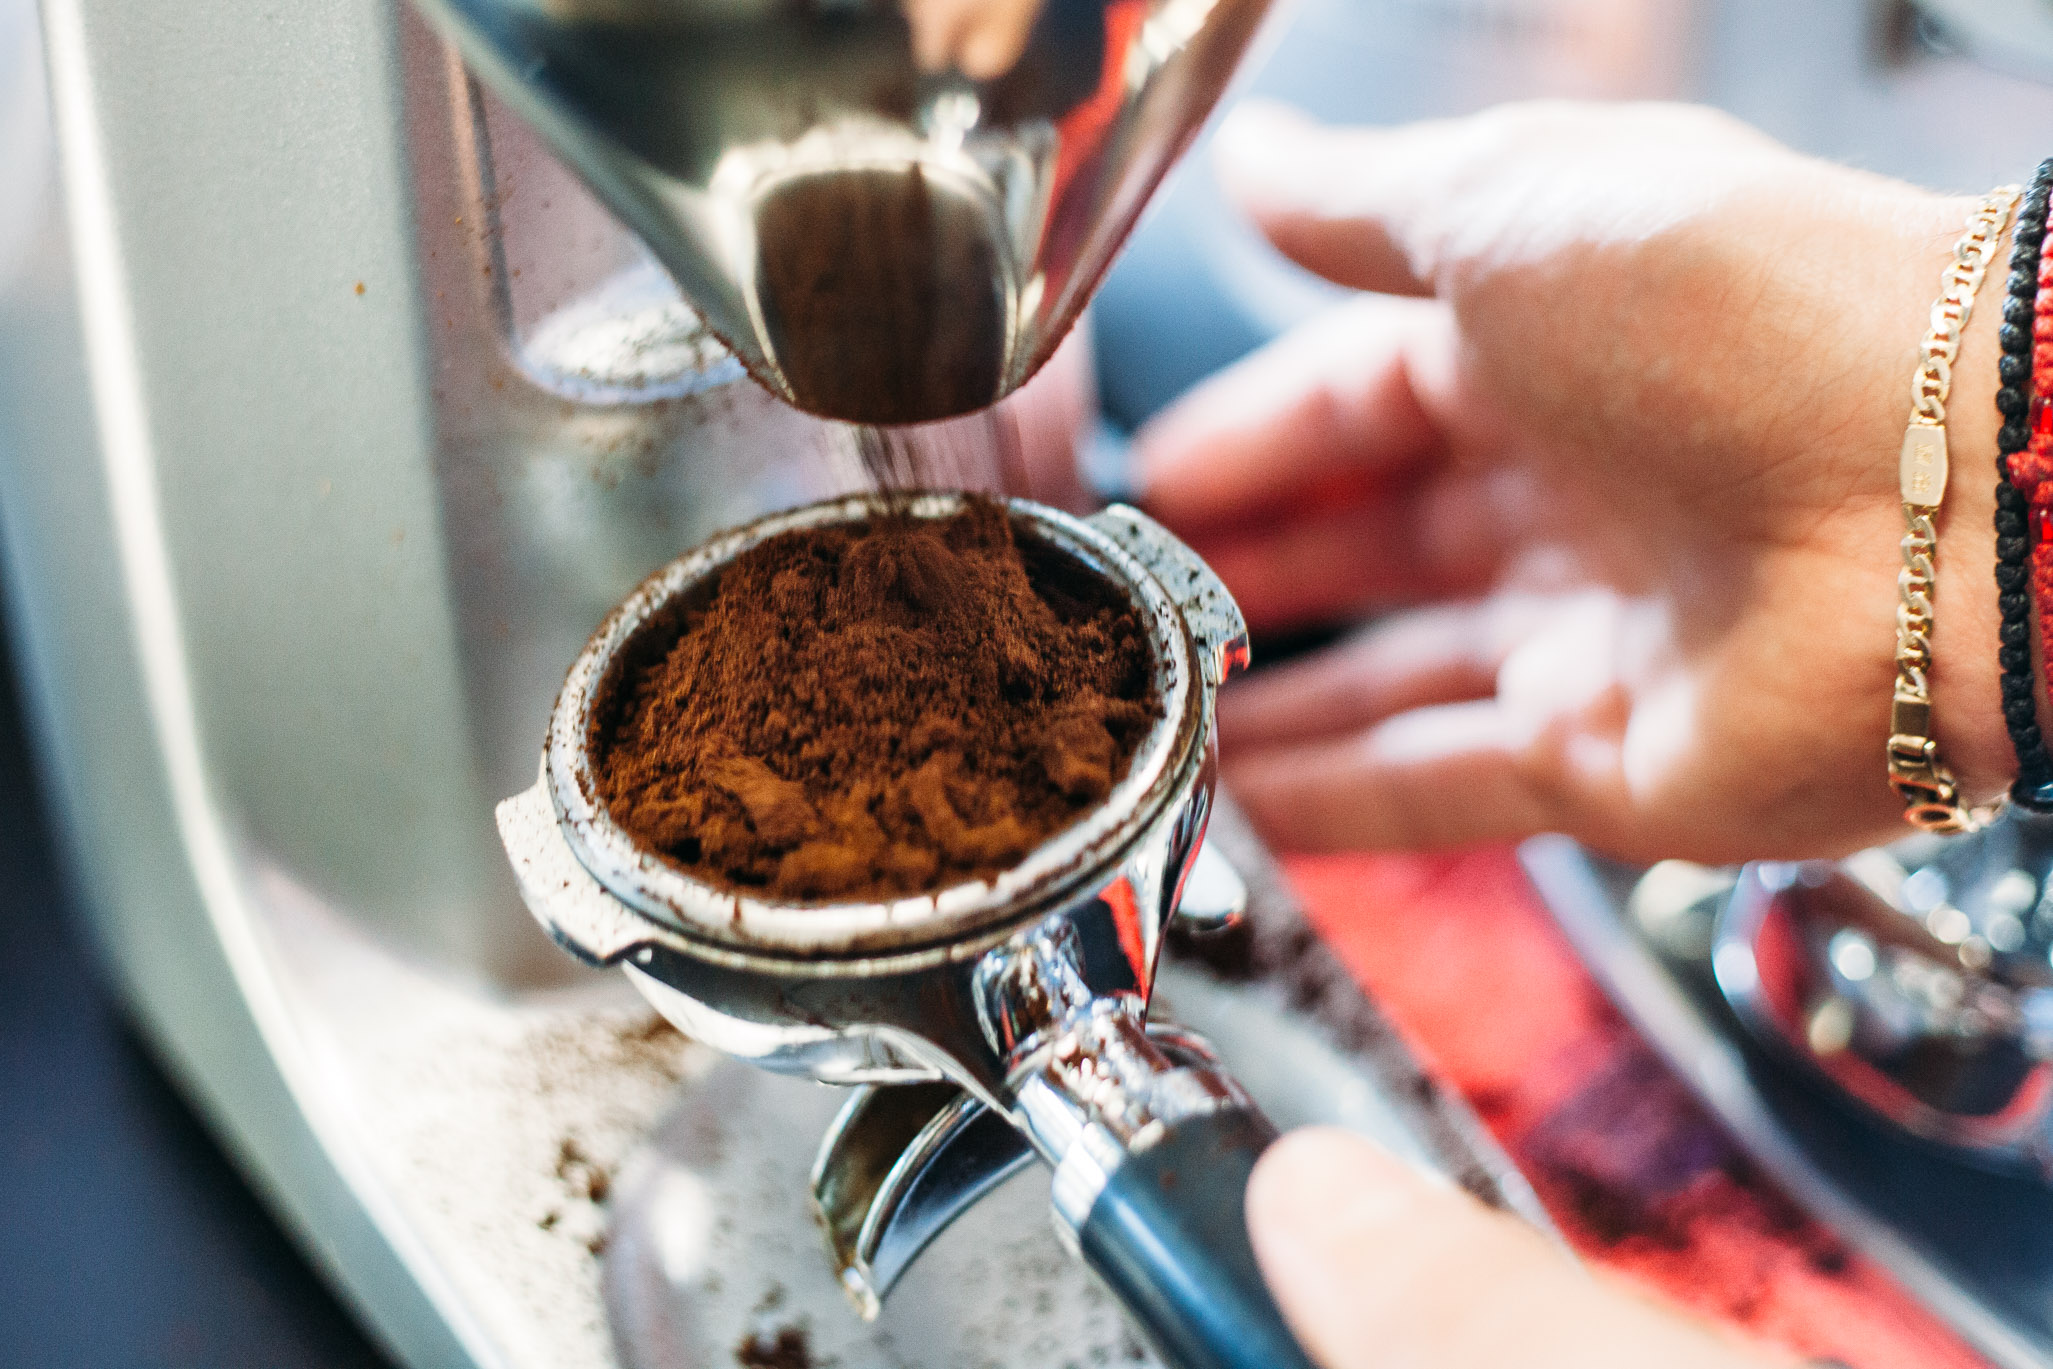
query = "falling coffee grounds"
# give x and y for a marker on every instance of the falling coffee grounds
(879, 709)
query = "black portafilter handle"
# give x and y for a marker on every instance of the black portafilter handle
(1168, 1234)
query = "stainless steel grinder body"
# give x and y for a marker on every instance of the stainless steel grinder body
(1023, 998)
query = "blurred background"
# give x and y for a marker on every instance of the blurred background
(127, 1238)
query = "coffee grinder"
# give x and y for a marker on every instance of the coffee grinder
(337, 411)
(893, 216)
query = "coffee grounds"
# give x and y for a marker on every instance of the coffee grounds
(879, 709)
(789, 1348)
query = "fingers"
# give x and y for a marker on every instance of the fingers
(1540, 747)
(1434, 656)
(1430, 778)
(980, 38)
(1330, 566)
(1375, 1265)
(1324, 411)
(1407, 211)
(1365, 207)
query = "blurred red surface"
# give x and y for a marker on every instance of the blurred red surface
(1463, 957)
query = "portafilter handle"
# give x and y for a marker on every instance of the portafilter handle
(1156, 1209)
(1165, 1226)
(1151, 1142)
(1169, 1235)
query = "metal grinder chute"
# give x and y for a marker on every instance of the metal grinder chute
(890, 213)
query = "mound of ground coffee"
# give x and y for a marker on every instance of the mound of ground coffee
(878, 709)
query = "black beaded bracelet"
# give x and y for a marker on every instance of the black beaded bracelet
(2034, 787)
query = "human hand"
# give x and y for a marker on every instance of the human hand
(1377, 1267)
(1615, 450)
(979, 38)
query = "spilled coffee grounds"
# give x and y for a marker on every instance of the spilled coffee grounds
(877, 709)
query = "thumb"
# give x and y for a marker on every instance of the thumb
(1377, 1265)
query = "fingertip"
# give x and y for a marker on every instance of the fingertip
(1247, 709)
(1291, 1193)
(1254, 130)
(1171, 442)
(1174, 449)
(1264, 154)
(1330, 399)
(1438, 777)
(1189, 463)
(1255, 112)
(1375, 1262)
(1315, 1202)
(1344, 202)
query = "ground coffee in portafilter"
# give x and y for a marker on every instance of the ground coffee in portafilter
(878, 709)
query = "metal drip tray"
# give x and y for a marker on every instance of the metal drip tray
(1973, 1244)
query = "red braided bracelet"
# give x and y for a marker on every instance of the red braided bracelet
(2031, 470)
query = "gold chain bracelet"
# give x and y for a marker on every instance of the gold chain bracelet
(1931, 798)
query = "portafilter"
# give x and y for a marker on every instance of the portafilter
(983, 1024)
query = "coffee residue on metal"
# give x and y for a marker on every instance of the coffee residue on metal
(787, 1348)
(878, 709)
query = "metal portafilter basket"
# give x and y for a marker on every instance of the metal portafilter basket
(984, 1024)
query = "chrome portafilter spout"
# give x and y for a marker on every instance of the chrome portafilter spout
(890, 210)
(1915, 979)
(985, 1024)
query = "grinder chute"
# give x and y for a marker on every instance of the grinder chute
(891, 213)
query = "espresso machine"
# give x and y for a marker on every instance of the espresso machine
(369, 356)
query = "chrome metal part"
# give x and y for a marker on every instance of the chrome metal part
(711, 1241)
(901, 1163)
(2014, 36)
(896, 1168)
(1214, 895)
(935, 190)
(907, 983)
(1200, 595)
(713, 1247)
(575, 909)
(1930, 1006)
(740, 930)
(1103, 1092)
(1085, 1082)
(1972, 1242)
(1032, 986)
